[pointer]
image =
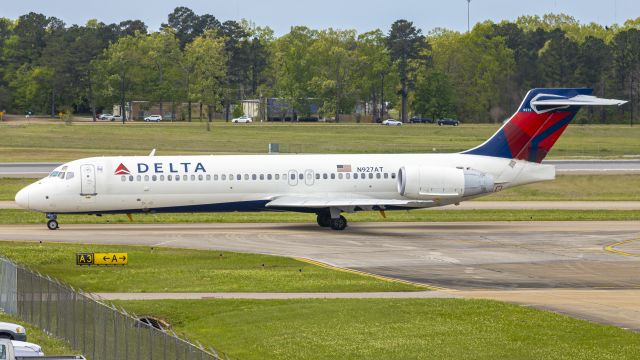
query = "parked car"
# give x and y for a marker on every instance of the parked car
(156, 118)
(22, 348)
(12, 331)
(392, 122)
(109, 117)
(421, 120)
(242, 119)
(448, 121)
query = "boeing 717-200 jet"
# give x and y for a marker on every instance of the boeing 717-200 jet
(327, 185)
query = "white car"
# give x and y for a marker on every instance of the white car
(392, 122)
(107, 117)
(156, 118)
(242, 119)
(22, 348)
(12, 331)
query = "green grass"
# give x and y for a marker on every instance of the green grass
(57, 142)
(389, 329)
(564, 188)
(179, 270)
(50, 345)
(10, 216)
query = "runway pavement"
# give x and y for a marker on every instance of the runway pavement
(562, 166)
(585, 269)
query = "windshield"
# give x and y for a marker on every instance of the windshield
(3, 352)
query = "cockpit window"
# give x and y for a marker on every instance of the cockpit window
(54, 174)
(69, 175)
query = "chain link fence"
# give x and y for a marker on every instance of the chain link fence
(98, 329)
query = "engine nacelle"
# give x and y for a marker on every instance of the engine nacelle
(426, 183)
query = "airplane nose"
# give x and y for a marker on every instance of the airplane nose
(22, 198)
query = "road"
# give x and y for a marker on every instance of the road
(585, 269)
(562, 166)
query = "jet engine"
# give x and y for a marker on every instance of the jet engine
(426, 183)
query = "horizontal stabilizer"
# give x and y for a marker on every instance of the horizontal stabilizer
(321, 203)
(545, 102)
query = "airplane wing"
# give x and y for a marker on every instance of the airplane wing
(365, 203)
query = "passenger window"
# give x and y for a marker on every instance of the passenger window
(386, 175)
(340, 176)
(130, 177)
(154, 178)
(215, 177)
(333, 176)
(70, 175)
(161, 177)
(208, 177)
(393, 175)
(370, 175)
(138, 178)
(355, 175)
(223, 177)
(238, 177)
(301, 176)
(169, 177)
(193, 177)
(378, 176)
(123, 178)
(324, 176)
(200, 177)
(177, 177)
(254, 177)
(268, 176)
(261, 176)
(277, 176)
(184, 177)
(246, 176)
(293, 176)
(317, 176)
(348, 175)
(146, 178)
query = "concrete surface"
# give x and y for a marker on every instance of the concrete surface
(586, 269)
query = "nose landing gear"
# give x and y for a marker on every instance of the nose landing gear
(52, 224)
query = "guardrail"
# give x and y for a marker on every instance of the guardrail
(99, 329)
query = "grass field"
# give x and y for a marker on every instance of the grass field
(389, 329)
(179, 270)
(50, 345)
(564, 188)
(9, 216)
(57, 142)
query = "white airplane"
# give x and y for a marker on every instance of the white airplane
(327, 185)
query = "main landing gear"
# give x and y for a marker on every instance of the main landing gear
(336, 223)
(52, 224)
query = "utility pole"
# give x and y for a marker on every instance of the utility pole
(468, 17)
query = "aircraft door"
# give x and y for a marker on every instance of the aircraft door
(308, 177)
(293, 178)
(87, 179)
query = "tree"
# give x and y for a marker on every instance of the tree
(334, 69)
(207, 54)
(405, 43)
(434, 96)
(188, 25)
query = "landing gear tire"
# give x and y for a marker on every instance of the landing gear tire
(324, 220)
(52, 224)
(339, 223)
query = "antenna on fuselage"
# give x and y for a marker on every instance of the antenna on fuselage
(153, 152)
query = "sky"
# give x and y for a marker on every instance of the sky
(362, 15)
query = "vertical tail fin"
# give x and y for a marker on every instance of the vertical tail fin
(540, 120)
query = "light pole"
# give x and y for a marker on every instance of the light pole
(468, 22)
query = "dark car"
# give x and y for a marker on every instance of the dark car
(421, 120)
(448, 121)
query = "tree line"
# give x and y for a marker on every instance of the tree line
(476, 76)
